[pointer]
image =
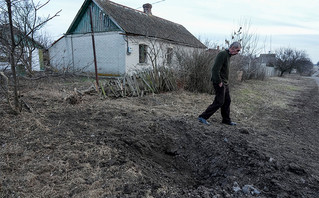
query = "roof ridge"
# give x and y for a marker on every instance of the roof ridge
(136, 10)
(125, 6)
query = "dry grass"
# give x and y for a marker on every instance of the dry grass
(254, 96)
(63, 150)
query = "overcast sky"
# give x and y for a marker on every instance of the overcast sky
(278, 23)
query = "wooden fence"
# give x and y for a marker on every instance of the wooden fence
(139, 84)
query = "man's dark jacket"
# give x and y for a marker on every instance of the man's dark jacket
(220, 70)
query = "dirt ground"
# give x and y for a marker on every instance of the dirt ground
(153, 146)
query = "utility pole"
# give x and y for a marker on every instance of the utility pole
(94, 51)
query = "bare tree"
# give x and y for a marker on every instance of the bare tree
(284, 60)
(159, 54)
(247, 60)
(288, 59)
(27, 25)
(247, 37)
(304, 65)
(20, 24)
(17, 105)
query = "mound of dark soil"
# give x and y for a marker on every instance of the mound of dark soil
(154, 146)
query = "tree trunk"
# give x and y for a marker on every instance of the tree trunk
(29, 62)
(12, 60)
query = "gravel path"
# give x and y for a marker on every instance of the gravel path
(316, 77)
(317, 80)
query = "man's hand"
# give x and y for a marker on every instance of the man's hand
(220, 84)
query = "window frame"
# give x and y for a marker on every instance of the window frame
(169, 55)
(142, 52)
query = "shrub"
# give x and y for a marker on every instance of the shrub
(194, 70)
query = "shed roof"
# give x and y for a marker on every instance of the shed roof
(135, 22)
(20, 36)
(266, 58)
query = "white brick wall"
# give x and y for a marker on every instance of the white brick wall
(75, 52)
(132, 60)
(61, 54)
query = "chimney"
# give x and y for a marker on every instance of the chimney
(147, 8)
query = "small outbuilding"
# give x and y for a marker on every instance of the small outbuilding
(267, 63)
(30, 54)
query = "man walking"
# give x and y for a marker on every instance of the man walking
(220, 74)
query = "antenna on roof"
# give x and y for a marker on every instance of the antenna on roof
(153, 3)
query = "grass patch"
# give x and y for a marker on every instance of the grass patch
(255, 96)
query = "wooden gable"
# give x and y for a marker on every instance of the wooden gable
(102, 22)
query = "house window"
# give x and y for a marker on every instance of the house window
(142, 53)
(169, 55)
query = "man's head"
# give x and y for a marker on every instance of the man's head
(234, 48)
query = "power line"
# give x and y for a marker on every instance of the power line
(157, 2)
(153, 3)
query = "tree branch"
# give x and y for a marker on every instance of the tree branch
(39, 25)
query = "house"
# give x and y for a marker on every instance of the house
(29, 53)
(120, 40)
(267, 62)
(267, 59)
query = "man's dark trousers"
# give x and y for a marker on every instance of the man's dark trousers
(222, 100)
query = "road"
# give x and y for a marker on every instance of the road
(316, 77)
